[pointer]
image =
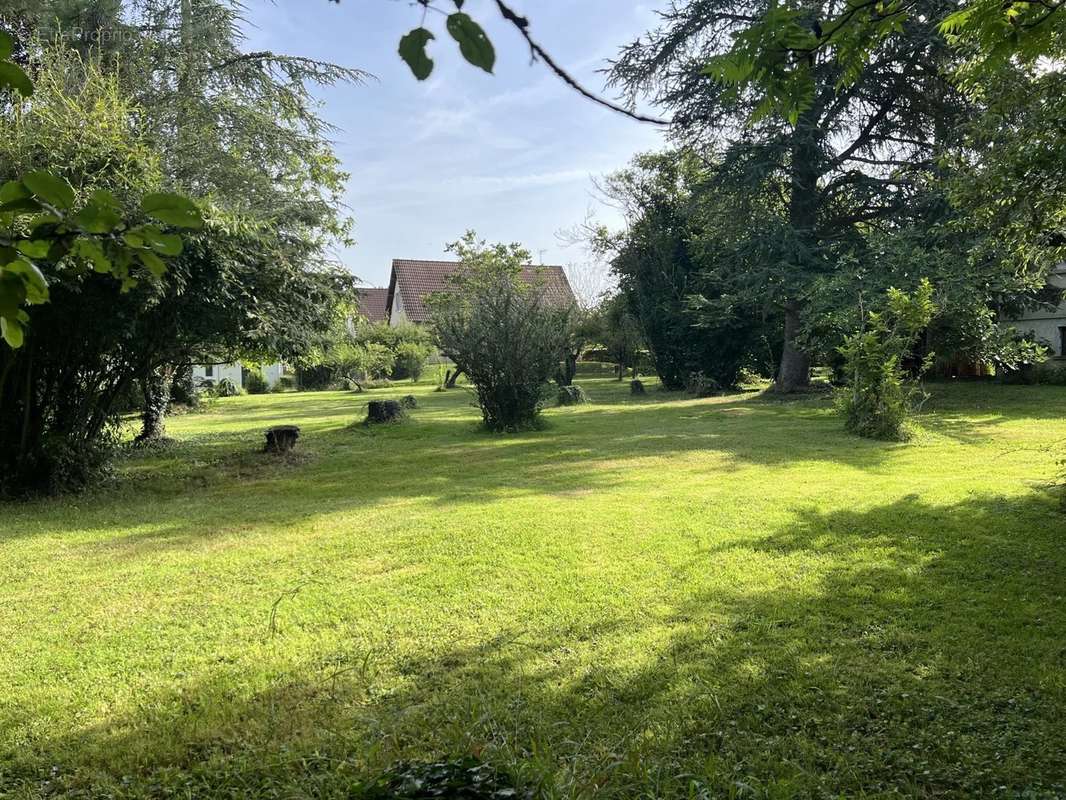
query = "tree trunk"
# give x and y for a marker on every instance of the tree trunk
(452, 377)
(156, 387)
(795, 368)
(795, 371)
(569, 369)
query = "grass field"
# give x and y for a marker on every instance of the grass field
(658, 597)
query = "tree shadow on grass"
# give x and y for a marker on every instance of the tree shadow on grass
(905, 650)
(441, 458)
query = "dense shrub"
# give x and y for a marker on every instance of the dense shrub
(410, 360)
(356, 351)
(879, 398)
(286, 383)
(255, 383)
(183, 389)
(226, 388)
(501, 331)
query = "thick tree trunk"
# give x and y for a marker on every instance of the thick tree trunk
(156, 388)
(795, 368)
(452, 377)
(569, 369)
(794, 373)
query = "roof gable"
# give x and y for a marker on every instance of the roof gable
(415, 280)
(373, 303)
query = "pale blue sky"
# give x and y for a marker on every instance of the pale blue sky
(510, 155)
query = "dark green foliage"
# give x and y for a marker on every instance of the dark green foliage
(183, 390)
(354, 350)
(254, 382)
(620, 333)
(780, 202)
(464, 779)
(688, 323)
(775, 52)
(286, 383)
(250, 285)
(879, 398)
(501, 332)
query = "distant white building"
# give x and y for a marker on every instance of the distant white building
(1044, 324)
(203, 374)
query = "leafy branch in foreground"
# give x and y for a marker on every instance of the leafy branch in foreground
(776, 50)
(42, 225)
(477, 48)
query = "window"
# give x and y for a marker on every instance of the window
(209, 371)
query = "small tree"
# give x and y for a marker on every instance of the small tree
(501, 331)
(879, 397)
(621, 334)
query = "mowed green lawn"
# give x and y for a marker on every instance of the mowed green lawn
(657, 597)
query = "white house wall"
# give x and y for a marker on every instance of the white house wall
(1045, 324)
(217, 373)
(396, 312)
(271, 373)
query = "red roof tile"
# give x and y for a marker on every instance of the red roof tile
(374, 304)
(414, 280)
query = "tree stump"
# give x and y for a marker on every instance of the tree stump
(572, 395)
(380, 411)
(409, 401)
(636, 387)
(281, 438)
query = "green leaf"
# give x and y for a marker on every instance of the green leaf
(413, 52)
(166, 244)
(33, 280)
(13, 190)
(12, 332)
(21, 205)
(91, 250)
(173, 209)
(12, 77)
(152, 263)
(473, 43)
(133, 238)
(100, 214)
(37, 248)
(53, 190)
(93, 219)
(7, 45)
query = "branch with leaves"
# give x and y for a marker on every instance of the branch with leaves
(42, 224)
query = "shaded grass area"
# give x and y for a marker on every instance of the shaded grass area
(652, 597)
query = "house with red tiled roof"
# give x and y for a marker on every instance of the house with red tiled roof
(413, 281)
(373, 304)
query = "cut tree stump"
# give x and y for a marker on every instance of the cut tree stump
(409, 401)
(572, 395)
(379, 411)
(282, 438)
(636, 387)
